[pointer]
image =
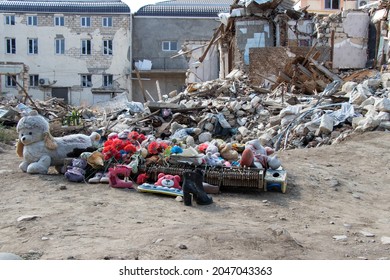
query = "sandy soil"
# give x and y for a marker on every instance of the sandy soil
(336, 207)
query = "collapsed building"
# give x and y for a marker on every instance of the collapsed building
(288, 79)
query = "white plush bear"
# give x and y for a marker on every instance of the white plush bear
(40, 149)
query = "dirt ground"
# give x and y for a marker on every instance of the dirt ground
(336, 207)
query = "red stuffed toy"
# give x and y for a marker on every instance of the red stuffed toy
(170, 181)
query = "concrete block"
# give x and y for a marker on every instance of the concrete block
(348, 86)
(382, 105)
(368, 124)
(383, 116)
(326, 125)
(356, 121)
(243, 131)
(385, 78)
(385, 125)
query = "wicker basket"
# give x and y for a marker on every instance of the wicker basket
(227, 178)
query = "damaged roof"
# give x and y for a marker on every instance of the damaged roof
(105, 7)
(186, 8)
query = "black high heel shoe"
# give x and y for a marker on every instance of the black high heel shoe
(193, 188)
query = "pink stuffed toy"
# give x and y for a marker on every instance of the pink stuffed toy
(169, 181)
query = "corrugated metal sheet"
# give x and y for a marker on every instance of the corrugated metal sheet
(64, 7)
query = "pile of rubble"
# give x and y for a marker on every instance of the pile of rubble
(236, 112)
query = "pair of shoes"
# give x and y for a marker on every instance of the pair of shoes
(96, 178)
(104, 179)
(193, 188)
(99, 177)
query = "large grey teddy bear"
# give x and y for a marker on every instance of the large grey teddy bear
(40, 150)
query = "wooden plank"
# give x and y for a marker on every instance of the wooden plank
(140, 84)
(304, 70)
(324, 70)
(284, 77)
(158, 91)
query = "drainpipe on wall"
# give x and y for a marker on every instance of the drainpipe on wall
(26, 77)
(129, 80)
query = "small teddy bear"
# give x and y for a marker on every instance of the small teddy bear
(169, 181)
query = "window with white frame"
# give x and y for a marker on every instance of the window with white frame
(34, 80)
(10, 81)
(59, 21)
(10, 20)
(332, 4)
(60, 45)
(32, 20)
(169, 45)
(107, 47)
(85, 21)
(85, 47)
(86, 80)
(107, 80)
(107, 22)
(33, 46)
(10, 45)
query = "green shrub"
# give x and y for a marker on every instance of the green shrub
(7, 135)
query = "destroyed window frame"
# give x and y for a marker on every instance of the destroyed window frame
(86, 80)
(86, 47)
(107, 47)
(10, 20)
(169, 49)
(11, 83)
(34, 80)
(59, 44)
(32, 44)
(59, 21)
(10, 45)
(32, 20)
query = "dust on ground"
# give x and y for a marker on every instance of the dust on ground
(336, 207)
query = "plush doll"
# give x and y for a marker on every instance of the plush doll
(203, 147)
(169, 181)
(76, 172)
(184, 134)
(142, 178)
(213, 159)
(228, 153)
(40, 150)
(255, 155)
